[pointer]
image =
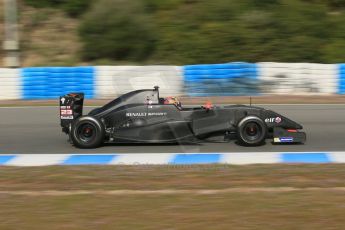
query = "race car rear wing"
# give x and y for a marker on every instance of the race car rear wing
(71, 107)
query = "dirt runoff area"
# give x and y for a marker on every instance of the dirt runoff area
(276, 99)
(173, 197)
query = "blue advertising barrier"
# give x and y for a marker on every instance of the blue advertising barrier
(52, 82)
(341, 83)
(229, 79)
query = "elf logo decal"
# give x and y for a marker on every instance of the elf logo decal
(278, 120)
(273, 119)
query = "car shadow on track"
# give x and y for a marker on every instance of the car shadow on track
(152, 144)
(274, 143)
(238, 143)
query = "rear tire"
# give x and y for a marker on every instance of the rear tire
(87, 132)
(251, 131)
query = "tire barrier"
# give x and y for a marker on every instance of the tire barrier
(113, 81)
(9, 84)
(52, 82)
(229, 79)
(341, 79)
(298, 78)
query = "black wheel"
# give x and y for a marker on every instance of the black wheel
(252, 131)
(87, 132)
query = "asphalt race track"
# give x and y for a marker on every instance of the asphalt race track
(37, 130)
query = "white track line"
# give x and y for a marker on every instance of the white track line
(37, 159)
(251, 158)
(143, 159)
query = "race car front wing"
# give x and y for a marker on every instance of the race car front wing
(281, 135)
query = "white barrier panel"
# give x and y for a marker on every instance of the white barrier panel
(10, 84)
(298, 78)
(112, 81)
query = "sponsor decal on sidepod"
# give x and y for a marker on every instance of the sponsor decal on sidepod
(273, 119)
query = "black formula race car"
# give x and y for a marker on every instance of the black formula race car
(141, 116)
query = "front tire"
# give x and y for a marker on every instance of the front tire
(251, 131)
(87, 132)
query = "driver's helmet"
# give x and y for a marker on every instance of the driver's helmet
(174, 101)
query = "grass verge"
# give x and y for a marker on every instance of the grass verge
(313, 204)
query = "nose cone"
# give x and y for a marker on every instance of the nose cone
(284, 122)
(290, 124)
(297, 126)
